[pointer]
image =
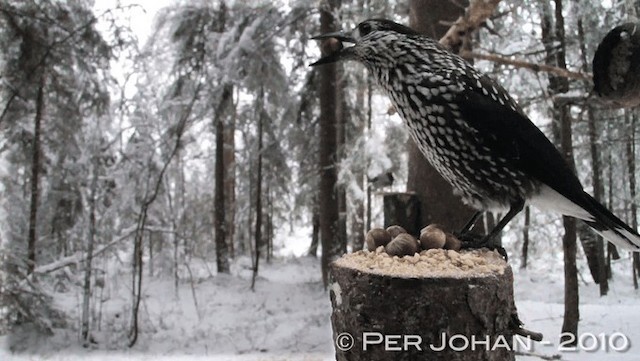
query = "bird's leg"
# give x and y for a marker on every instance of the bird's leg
(488, 240)
(471, 222)
(465, 234)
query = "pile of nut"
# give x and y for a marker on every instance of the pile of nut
(397, 242)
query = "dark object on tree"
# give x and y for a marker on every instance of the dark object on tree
(381, 181)
(472, 131)
(616, 66)
(371, 302)
(402, 209)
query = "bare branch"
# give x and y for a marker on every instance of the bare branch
(527, 65)
(476, 14)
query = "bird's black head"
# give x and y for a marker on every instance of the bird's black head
(369, 37)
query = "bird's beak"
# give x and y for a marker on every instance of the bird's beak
(341, 52)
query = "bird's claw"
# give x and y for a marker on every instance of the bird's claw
(476, 241)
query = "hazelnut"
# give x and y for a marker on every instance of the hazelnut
(452, 242)
(403, 245)
(432, 226)
(377, 237)
(395, 230)
(331, 45)
(432, 238)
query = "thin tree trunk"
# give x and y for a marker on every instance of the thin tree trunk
(631, 166)
(367, 182)
(561, 85)
(341, 130)
(222, 249)
(86, 296)
(258, 231)
(328, 178)
(315, 233)
(358, 214)
(600, 276)
(150, 197)
(525, 237)
(35, 177)
(269, 225)
(230, 181)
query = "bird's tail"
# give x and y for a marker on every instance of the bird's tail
(609, 226)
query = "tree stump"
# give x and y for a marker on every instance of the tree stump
(402, 209)
(436, 305)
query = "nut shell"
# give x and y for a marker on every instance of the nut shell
(395, 230)
(452, 242)
(403, 245)
(377, 237)
(431, 227)
(432, 238)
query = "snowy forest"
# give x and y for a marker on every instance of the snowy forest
(175, 179)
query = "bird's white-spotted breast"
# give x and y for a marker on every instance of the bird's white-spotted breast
(428, 87)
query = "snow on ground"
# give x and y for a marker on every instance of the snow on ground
(287, 317)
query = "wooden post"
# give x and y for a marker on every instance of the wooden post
(390, 308)
(402, 209)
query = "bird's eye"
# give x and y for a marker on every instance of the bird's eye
(365, 29)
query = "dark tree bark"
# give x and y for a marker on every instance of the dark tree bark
(525, 237)
(230, 180)
(341, 135)
(315, 234)
(595, 249)
(438, 204)
(561, 114)
(474, 307)
(88, 264)
(258, 230)
(328, 209)
(630, 147)
(35, 177)
(358, 214)
(367, 183)
(222, 249)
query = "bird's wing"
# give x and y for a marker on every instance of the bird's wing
(505, 129)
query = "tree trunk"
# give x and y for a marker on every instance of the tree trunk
(258, 232)
(88, 264)
(315, 234)
(367, 182)
(35, 177)
(438, 204)
(600, 273)
(417, 314)
(561, 113)
(358, 214)
(230, 181)
(222, 249)
(341, 136)
(525, 237)
(631, 166)
(329, 215)
(269, 225)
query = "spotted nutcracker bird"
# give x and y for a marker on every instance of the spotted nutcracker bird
(472, 131)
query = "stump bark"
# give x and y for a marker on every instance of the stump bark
(418, 314)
